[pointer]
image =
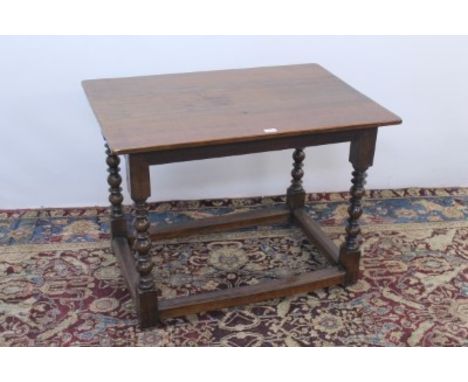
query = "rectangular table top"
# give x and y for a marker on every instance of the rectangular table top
(171, 111)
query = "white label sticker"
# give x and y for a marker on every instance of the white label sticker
(270, 131)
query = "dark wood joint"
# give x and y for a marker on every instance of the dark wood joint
(315, 234)
(138, 176)
(361, 153)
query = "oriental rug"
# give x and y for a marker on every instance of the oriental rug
(60, 285)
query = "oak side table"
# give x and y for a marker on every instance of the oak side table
(181, 117)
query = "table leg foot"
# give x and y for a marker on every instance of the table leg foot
(350, 252)
(361, 157)
(147, 308)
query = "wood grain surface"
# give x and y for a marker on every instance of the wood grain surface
(173, 111)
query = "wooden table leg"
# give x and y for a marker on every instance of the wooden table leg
(295, 197)
(146, 295)
(137, 266)
(117, 220)
(361, 156)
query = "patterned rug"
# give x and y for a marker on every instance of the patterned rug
(60, 285)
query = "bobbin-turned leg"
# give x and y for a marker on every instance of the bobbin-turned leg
(361, 157)
(295, 196)
(117, 219)
(146, 296)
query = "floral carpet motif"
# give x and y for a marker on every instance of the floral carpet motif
(60, 284)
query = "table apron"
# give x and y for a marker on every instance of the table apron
(250, 147)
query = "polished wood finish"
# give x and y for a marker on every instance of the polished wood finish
(173, 118)
(172, 111)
